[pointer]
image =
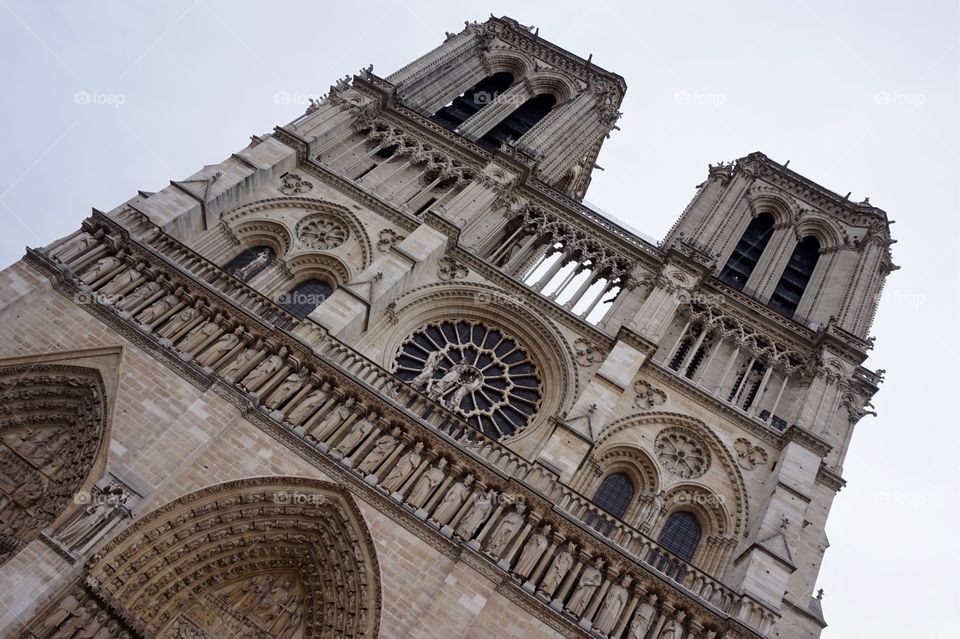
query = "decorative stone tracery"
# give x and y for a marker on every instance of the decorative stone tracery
(478, 371)
(682, 453)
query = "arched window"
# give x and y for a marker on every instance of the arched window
(614, 494)
(523, 118)
(786, 297)
(305, 296)
(250, 261)
(681, 535)
(472, 100)
(747, 252)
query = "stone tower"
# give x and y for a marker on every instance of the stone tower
(380, 373)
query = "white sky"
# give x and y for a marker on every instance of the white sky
(860, 96)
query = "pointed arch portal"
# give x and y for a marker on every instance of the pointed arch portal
(277, 557)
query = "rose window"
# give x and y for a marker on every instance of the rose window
(322, 234)
(681, 453)
(474, 370)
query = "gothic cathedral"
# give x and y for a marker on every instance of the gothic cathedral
(381, 373)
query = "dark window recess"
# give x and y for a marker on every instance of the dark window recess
(777, 422)
(464, 106)
(305, 296)
(240, 266)
(681, 535)
(426, 205)
(519, 122)
(614, 494)
(747, 252)
(786, 297)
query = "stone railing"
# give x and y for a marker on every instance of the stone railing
(466, 487)
(642, 549)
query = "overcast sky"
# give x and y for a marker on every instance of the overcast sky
(101, 99)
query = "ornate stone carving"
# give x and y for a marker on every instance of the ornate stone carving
(643, 620)
(682, 453)
(387, 238)
(322, 233)
(647, 396)
(748, 455)
(449, 269)
(427, 483)
(293, 184)
(587, 353)
(479, 511)
(613, 605)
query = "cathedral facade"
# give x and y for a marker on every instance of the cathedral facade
(381, 373)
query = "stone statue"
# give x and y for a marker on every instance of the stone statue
(382, 447)
(64, 610)
(120, 282)
(76, 246)
(613, 605)
(673, 629)
(200, 334)
(290, 385)
(478, 513)
(358, 432)
(505, 530)
(158, 309)
(243, 273)
(590, 580)
(177, 322)
(652, 509)
(306, 407)
(407, 464)
(140, 294)
(224, 344)
(437, 387)
(532, 551)
(100, 268)
(558, 569)
(426, 484)
(453, 500)
(643, 620)
(93, 518)
(429, 367)
(265, 369)
(241, 360)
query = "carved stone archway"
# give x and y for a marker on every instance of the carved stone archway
(52, 424)
(274, 557)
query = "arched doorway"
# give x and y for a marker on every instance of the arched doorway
(287, 558)
(52, 420)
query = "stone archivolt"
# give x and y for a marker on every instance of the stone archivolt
(51, 431)
(274, 557)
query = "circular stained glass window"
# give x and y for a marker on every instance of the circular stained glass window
(477, 371)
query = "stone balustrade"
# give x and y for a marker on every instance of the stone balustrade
(611, 582)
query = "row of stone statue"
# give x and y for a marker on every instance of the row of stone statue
(79, 616)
